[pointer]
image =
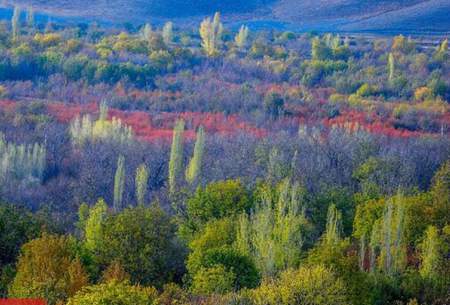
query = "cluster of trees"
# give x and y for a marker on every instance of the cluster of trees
(201, 166)
(21, 161)
(84, 129)
(231, 243)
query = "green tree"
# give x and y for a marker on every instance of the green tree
(176, 156)
(431, 254)
(273, 234)
(241, 38)
(213, 280)
(211, 35)
(143, 241)
(334, 226)
(319, 49)
(316, 285)
(194, 168)
(214, 247)
(141, 181)
(440, 191)
(119, 183)
(83, 215)
(17, 226)
(216, 200)
(93, 229)
(48, 268)
(117, 293)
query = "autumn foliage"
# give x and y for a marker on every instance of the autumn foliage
(149, 128)
(22, 302)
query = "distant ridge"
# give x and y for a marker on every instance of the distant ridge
(304, 15)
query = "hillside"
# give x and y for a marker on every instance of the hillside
(413, 15)
(326, 15)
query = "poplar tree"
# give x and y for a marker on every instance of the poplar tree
(30, 17)
(24, 161)
(141, 181)
(119, 183)
(15, 23)
(430, 255)
(387, 237)
(391, 242)
(85, 129)
(391, 66)
(211, 35)
(93, 227)
(272, 234)
(147, 32)
(242, 37)
(333, 226)
(83, 215)
(167, 33)
(194, 168)
(176, 155)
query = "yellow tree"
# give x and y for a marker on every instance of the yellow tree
(47, 269)
(211, 34)
(242, 37)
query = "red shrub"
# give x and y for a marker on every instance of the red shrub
(160, 126)
(7, 106)
(65, 113)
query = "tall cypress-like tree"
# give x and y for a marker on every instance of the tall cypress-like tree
(15, 22)
(93, 224)
(387, 237)
(119, 183)
(30, 17)
(141, 181)
(167, 33)
(334, 226)
(391, 67)
(194, 168)
(176, 155)
(147, 32)
(430, 255)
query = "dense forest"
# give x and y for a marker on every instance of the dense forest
(163, 165)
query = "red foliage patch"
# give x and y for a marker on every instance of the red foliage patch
(7, 106)
(151, 128)
(355, 120)
(65, 113)
(160, 126)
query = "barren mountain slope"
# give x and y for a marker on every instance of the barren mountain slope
(328, 15)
